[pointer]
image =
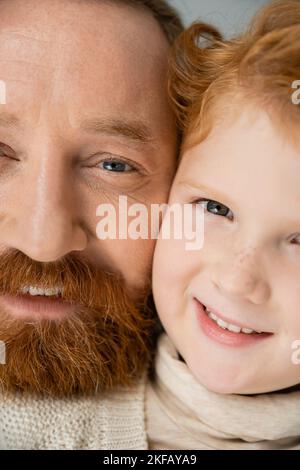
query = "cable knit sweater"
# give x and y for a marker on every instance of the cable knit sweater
(111, 421)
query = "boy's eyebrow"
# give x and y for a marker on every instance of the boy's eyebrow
(217, 195)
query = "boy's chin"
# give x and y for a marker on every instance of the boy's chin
(230, 382)
(251, 387)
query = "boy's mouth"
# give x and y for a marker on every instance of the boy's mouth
(230, 332)
(230, 326)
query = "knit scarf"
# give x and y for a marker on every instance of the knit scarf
(182, 414)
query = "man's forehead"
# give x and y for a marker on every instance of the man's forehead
(34, 90)
(67, 25)
(99, 48)
(80, 66)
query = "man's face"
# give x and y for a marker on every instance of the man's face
(86, 119)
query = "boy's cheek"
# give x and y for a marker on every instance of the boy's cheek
(175, 266)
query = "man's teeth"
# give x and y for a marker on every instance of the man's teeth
(32, 290)
(229, 326)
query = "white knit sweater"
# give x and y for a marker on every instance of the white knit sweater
(111, 421)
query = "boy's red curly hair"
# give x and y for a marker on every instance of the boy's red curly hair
(262, 64)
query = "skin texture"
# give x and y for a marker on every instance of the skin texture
(64, 64)
(249, 267)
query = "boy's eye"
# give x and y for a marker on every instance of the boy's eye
(296, 240)
(216, 208)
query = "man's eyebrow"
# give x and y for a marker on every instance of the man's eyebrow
(8, 120)
(135, 131)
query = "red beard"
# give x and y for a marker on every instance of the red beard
(106, 343)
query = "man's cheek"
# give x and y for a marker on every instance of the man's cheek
(138, 254)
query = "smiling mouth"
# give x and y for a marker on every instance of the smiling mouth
(35, 303)
(229, 325)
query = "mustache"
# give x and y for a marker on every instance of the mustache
(78, 278)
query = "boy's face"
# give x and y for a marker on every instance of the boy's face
(246, 175)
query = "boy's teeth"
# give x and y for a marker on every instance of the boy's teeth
(34, 291)
(228, 326)
(222, 323)
(234, 328)
(212, 316)
(247, 331)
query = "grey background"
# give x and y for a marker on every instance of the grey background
(230, 16)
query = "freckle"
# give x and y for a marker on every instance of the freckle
(246, 254)
(242, 256)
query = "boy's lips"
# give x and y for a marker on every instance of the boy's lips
(226, 331)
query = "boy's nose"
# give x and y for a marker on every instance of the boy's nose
(40, 217)
(243, 278)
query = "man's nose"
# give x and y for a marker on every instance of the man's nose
(41, 219)
(242, 277)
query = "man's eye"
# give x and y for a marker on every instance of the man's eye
(216, 208)
(115, 166)
(7, 152)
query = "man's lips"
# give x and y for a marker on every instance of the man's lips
(39, 307)
(226, 331)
